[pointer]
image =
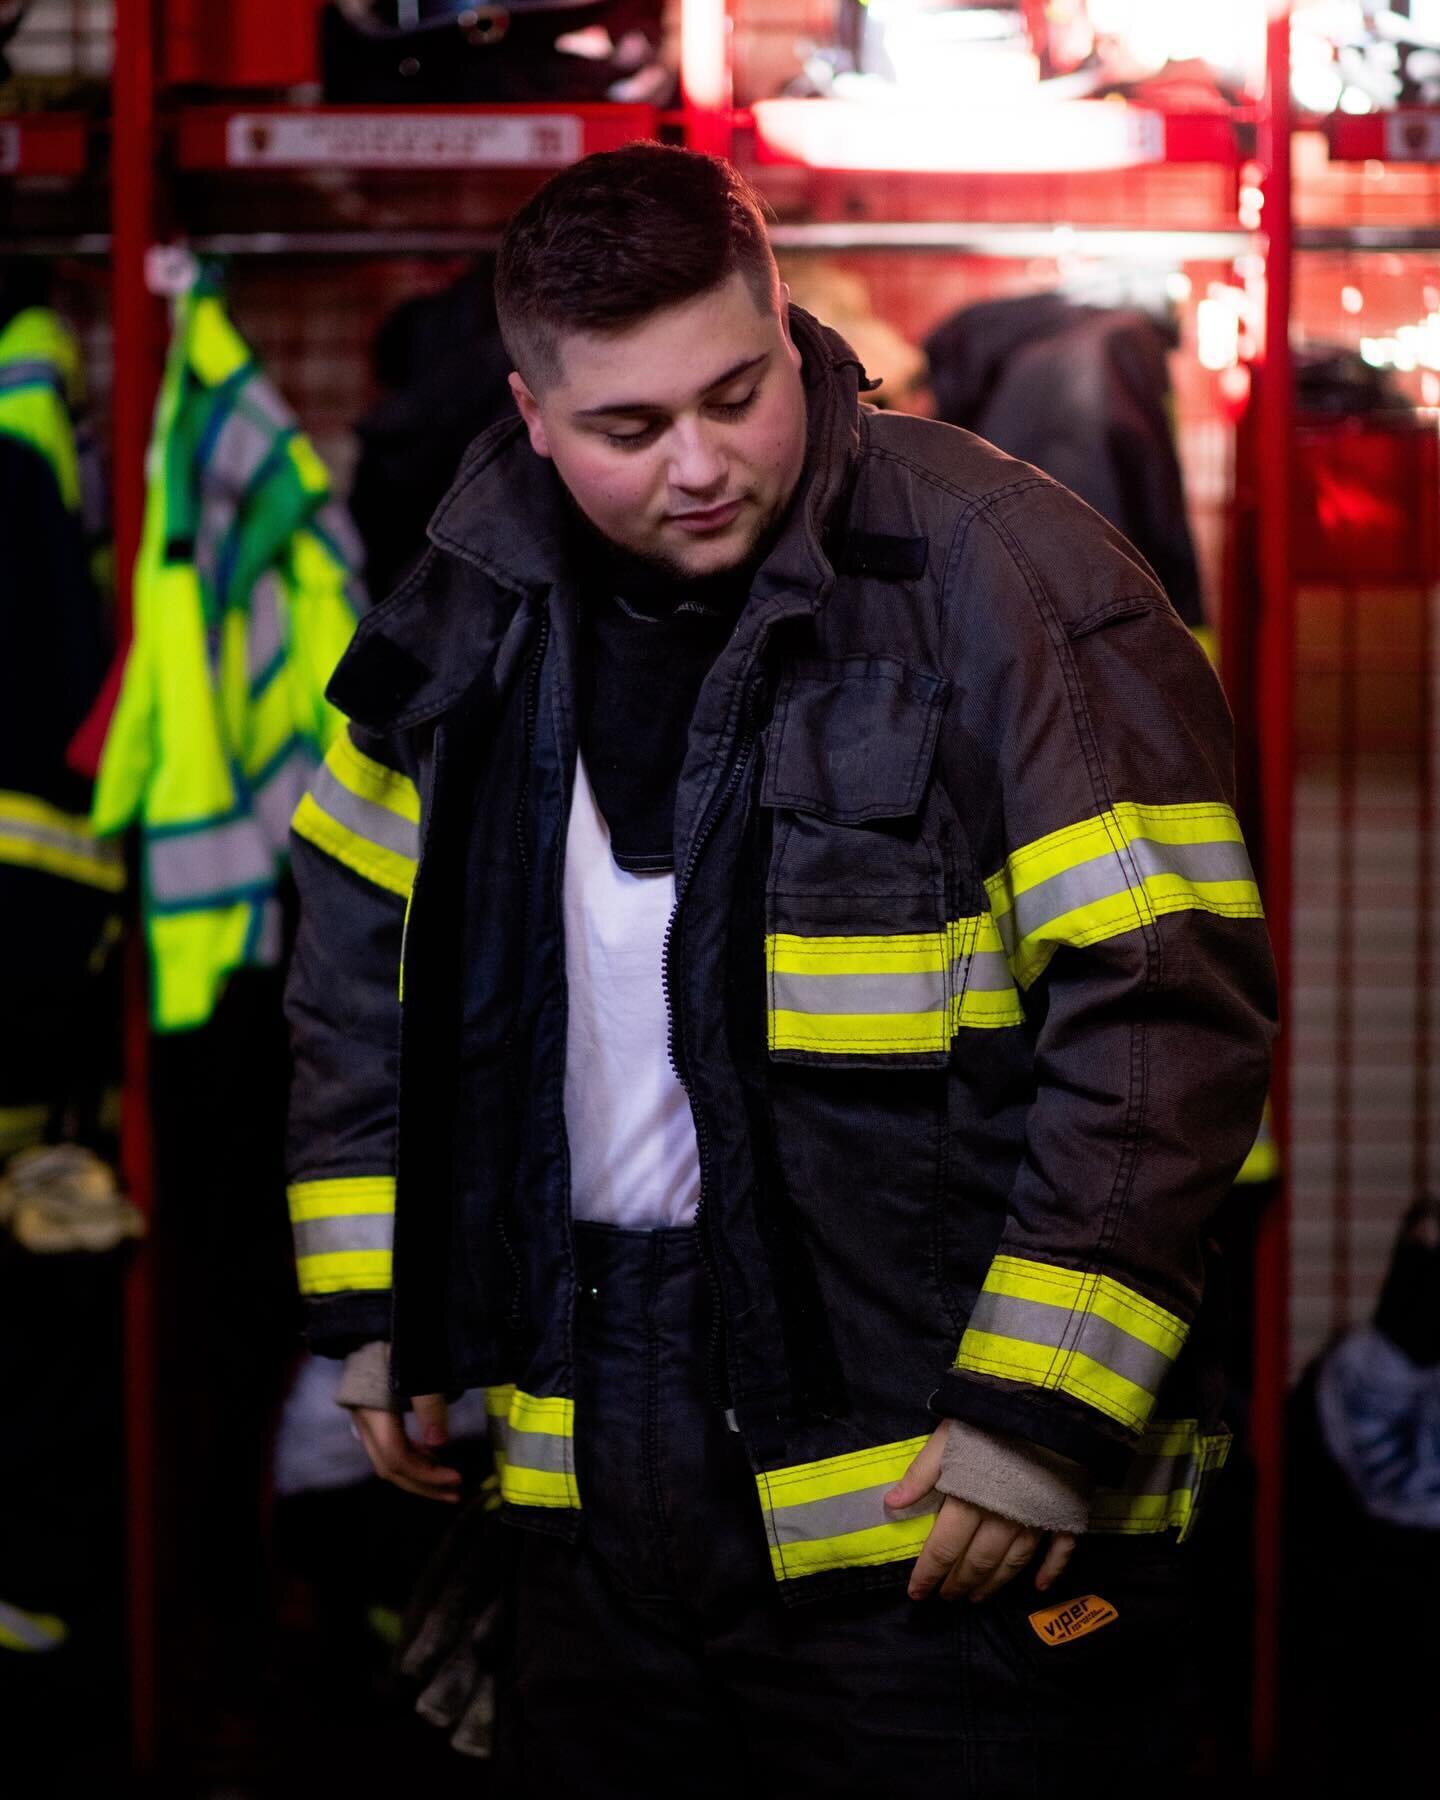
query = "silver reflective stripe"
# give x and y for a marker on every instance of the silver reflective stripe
(265, 631)
(335, 521)
(989, 973)
(351, 1231)
(376, 824)
(860, 993)
(1035, 1323)
(260, 395)
(1115, 872)
(235, 458)
(839, 1514)
(532, 1449)
(21, 1630)
(212, 859)
(73, 843)
(31, 373)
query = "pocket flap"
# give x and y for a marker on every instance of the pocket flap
(852, 739)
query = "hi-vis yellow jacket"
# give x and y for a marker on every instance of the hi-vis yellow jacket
(58, 883)
(243, 605)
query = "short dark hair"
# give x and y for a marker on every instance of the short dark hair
(618, 236)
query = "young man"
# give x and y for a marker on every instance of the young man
(777, 951)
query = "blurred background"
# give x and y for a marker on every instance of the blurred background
(1184, 256)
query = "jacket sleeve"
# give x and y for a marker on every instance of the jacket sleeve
(355, 841)
(1090, 755)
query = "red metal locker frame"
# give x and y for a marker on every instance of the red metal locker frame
(137, 359)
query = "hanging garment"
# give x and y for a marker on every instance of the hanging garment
(244, 600)
(1082, 392)
(57, 882)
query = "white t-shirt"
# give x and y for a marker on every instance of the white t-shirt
(633, 1156)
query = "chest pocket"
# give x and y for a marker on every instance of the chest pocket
(878, 946)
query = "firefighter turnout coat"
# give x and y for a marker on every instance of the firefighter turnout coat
(968, 982)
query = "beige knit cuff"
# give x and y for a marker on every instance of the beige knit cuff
(365, 1380)
(1017, 1479)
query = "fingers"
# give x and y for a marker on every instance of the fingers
(433, 1417)
(920, 1477)
(1062, 1548)
(395, 1459)
(1013, 1559)
(955, 1525)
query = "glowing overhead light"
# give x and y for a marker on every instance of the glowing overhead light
(1021, 139)
(1352, 299)
(1217, 331)
(1178, 286)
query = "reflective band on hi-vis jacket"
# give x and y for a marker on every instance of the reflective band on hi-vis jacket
(1116, 873)
(343, 1232)
(1085, 1335)
(365, 815)
(35, 835)
(832, 1514)
(31, 1632)
(878, 995)
(1165, 1482)
(534, 1443)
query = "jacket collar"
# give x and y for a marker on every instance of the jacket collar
(506, 517)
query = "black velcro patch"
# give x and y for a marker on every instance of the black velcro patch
(889, 558)
(375, 679)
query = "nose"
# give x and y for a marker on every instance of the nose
(696, 465)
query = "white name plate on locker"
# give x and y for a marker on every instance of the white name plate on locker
(9, 148)
(409, 140)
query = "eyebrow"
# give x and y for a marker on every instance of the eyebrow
(647, 408)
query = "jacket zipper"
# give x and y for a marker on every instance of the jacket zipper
(522, 853)
(744, 744)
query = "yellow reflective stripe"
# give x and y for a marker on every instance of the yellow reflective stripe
(840, 1032)
(1166, 1482)
(386, 868)
(346, 1194)
(1068, 1373)
(839, 1474)
(831, 1514)
(35, 835)
(1100, 1296)
(551, 1416)
(318, 1212)
(373, 781)
(1263, 1161)
(533, 1441)
(337, 1271)
(908, 992)
(1086, 1335)
(365, 815)
(1116, 872)
(895, 1541)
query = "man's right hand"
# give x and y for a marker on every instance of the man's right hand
(396, 1457)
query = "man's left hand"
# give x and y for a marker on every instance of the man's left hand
(971, 1552)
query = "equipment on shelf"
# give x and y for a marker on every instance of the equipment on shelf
(448, 52)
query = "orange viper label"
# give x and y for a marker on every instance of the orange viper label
(1072, 1619)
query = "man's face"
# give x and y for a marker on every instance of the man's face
(682, 437)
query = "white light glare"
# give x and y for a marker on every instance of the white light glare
(1352, 299)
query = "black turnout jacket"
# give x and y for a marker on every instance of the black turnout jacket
(968, 982)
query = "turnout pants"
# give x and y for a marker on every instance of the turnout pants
(656, 1655)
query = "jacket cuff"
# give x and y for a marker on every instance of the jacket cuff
(365, 1380)
(336, 1324)
(1023, 1482)
(1037, 1416)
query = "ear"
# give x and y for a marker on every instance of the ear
(529, 408)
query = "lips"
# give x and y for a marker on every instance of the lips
(713, 518)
